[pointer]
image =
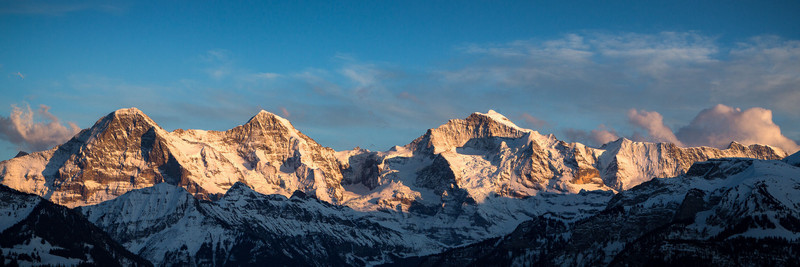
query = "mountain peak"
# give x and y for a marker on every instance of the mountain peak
(21, 154)
(735, 145)
(495, 116)
(238, 190)
(455, 133)
(129, 117)
(269, 118)
(128, 120)
(128, 111)
(262, 114)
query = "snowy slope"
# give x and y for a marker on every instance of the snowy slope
(34, 231)
(161, 223)
(721, 212)
(794, 159)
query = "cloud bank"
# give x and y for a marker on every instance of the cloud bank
(21, 129)
(717, 127)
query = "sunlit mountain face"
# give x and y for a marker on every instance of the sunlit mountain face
(399, 133)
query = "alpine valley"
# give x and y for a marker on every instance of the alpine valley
(474, 191)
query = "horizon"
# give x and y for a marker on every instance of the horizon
(376, 75)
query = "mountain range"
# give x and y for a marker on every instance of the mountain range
(471, 191)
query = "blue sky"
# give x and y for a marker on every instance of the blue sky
(379, 73)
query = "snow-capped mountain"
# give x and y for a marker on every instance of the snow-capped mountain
(487, 156)
(161, 223)
(264, 185)
(482, 156)
(126, 150)
(721, 212)
(34, 231)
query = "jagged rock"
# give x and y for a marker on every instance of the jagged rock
(126, 150)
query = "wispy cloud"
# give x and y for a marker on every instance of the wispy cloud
(533, 121)
(220, 65)
(19, 74)
(22, 129)
(602, 75)
(266, 75)
(595, 137)
(285, 113)
(408, 96)
(684, 69)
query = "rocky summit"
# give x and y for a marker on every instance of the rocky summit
(471, 191)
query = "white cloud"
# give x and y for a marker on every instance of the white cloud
(603, 135)
(720, 125)
(21, 129)
(653, 122)
(715, 127)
